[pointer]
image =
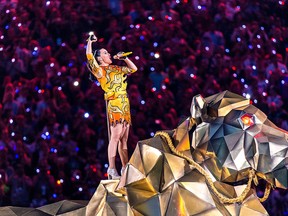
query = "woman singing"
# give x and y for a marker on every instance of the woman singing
(112, 79)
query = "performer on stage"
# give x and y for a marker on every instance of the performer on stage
(112, 79)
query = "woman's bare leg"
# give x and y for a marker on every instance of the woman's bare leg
(122, 146)
(116, 133)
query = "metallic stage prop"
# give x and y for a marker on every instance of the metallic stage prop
(63, 208)
(209, 165)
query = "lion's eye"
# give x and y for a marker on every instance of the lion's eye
(247, 119)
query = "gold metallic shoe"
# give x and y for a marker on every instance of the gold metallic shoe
(112, 174)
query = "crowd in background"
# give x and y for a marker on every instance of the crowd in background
(53, 129)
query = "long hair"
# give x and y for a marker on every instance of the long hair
(91, 76)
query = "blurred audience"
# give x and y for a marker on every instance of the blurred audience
(53, 128)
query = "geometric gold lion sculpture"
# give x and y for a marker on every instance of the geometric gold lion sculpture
(209, 165)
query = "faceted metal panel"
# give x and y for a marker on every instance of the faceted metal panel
(240, 137)
(64, 207)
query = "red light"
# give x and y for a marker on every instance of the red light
(106, 175)
(247, 119)
(159, 96)
(48, 172)
(94, 170)
(233, 68)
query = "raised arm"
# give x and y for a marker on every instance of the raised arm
(92, 63)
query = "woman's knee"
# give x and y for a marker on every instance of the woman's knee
(116, 132)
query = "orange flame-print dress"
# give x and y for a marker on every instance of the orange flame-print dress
(113, 82)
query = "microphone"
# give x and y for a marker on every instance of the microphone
(122, 55)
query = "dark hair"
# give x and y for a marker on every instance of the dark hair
(97, 53)
(91, 76)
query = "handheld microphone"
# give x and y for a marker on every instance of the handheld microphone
(122, 55)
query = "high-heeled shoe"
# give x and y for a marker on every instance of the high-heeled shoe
(112, 174)
(122, 170)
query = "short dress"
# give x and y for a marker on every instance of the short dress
(113, 82)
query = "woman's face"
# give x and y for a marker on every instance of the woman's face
(106, 57)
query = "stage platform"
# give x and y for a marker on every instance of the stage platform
(64, 207)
